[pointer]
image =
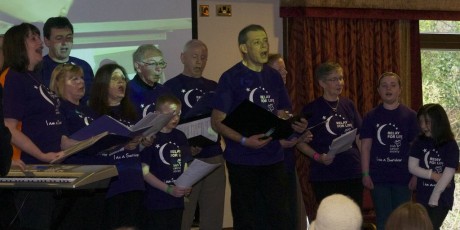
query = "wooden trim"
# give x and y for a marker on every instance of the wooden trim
(444, 5)
(440, 41)
(416, 66)
(326, 12)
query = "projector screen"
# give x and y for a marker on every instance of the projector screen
(111, 29)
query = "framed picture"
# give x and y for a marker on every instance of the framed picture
(224, 10)
(204, 10)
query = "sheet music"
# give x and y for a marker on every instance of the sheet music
(195, 172)
(342, 143)
(157, 122)
(199, 127)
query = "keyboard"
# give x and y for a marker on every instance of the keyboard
(59, 176)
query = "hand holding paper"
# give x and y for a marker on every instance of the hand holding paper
(342, 143)
(195, 172)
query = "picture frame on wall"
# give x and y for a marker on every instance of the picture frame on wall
(204, 10)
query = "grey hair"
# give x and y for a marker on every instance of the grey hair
(194, 43)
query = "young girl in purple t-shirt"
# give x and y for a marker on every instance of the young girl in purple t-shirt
(386, 134)
(434, 159)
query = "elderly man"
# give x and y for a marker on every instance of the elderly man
(144, 88)
(194, 92)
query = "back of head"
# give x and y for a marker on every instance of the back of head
(56, 22)
(338, 212)
(272, 58)
(409, 216)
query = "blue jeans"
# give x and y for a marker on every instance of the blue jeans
(387, 198)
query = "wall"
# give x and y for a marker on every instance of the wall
(112, 29)
(220, 34)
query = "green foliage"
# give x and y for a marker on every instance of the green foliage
(441, 84)
(427, 26)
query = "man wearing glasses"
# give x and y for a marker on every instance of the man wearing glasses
(58, 35)
(145, 88)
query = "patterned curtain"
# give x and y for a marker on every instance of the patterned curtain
(364, 47)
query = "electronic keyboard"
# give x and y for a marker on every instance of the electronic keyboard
(59, 176)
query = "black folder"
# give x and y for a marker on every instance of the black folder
(201, 141)
(249, 119)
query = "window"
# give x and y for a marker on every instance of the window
(440, 55)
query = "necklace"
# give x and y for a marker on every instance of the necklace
(334, 109)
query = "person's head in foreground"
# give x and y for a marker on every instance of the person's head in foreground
(409, 216)
(337, 212)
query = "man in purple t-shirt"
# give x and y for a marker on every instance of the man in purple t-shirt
(58, 37)
(255, 164)
(195, 92)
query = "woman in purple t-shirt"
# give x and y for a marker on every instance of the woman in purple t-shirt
(32, 115)
(332, 116)
(27, 100)
(434, 159)
(109, 96)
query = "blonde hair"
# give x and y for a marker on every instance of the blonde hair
(409, 216)
(58, 77)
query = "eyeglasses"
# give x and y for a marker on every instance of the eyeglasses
(119, 78)
(161, 64)
(335, 79)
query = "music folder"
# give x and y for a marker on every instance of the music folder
(198, 131)
(249, 119)
(107, 123)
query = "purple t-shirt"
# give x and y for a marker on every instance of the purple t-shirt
(76, 117)
(27, 100)
(392, 132)
(128, 164)
(346, 165)
(166, 158)
(190, 90)
(264, 88)
(437, 159)
(144, 96)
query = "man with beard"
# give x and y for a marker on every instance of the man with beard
(144, 88)
(255, 164)
(58, 35)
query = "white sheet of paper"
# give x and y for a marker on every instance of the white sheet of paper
(198, 127)
(157, 122)
(342, 143)
(195, 172)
